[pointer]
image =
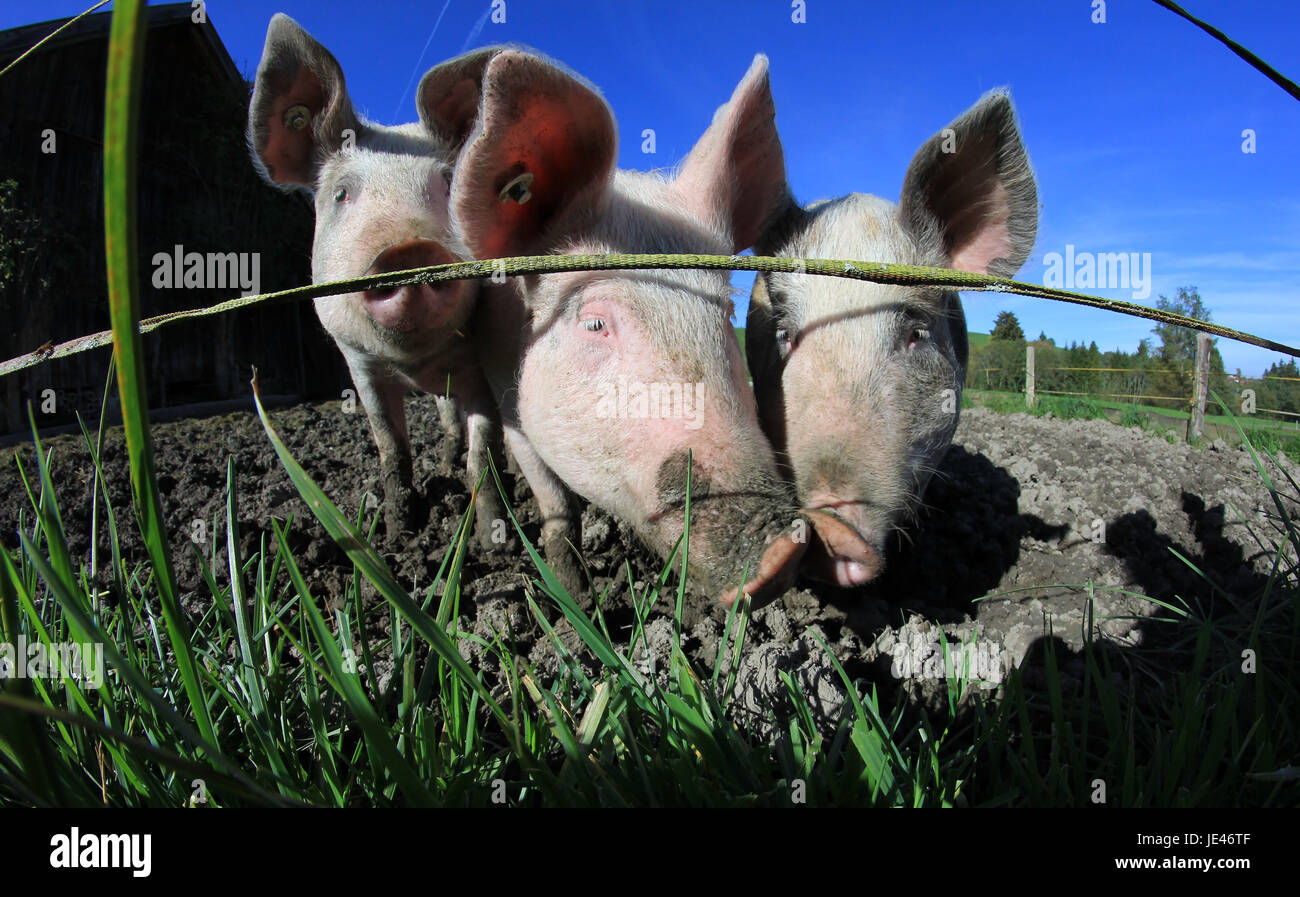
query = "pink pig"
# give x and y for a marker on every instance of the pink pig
(381, 197)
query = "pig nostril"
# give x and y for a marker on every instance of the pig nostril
(414, 253)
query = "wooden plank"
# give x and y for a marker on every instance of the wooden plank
(1029, 376)
(1200, 387)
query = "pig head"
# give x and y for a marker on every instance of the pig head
(381, 198)
(627, 383)
(859, 384)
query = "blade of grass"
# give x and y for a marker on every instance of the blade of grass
(342, 531)
(143, 687)
(254, 686)
(121, 116)
(36, 46)
(348, 685)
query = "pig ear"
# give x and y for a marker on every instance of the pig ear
(539, 161)
(300, 107)
(449, 95)
(735, 175)
(970, 189)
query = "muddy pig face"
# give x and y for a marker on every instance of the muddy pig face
(381, 193)
(627, 375)
(859, 384)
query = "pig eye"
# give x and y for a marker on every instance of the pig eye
(594, 325)
(918, 334)
(783, 341)
(341, 194)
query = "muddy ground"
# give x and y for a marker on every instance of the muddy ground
(1027, 510)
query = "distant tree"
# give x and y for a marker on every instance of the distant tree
(1042, 336)
(1177, 354)
(1144, 348)
(1006, 327)
(1283, 368)
(1282, 386)
(1178, 344)
(998, 365)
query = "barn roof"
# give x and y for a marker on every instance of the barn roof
(15, 41)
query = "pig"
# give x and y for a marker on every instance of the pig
(593, 350)
(449, 99)
(381, 200)
(859, 384)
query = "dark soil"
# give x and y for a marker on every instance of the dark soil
(1027, 511)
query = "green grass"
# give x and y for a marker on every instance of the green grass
(296, 719)
(1266, 435)
(1064, 407)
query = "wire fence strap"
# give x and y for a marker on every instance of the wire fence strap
(1269, 72)
(1129, 370)
(1116, 395)
(874, 272)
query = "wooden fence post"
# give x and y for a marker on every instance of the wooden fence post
(1200, 387)
(1029, 376)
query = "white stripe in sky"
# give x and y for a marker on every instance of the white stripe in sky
(477, 29)
(416, 70)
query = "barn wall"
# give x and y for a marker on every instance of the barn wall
(197, 188)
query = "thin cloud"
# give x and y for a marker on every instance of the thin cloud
(474, 32)
(420, 60)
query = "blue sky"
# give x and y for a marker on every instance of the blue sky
(1134, 126)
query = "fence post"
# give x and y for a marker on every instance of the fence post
(1029, 376)
(1200, 387)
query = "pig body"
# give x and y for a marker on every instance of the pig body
(859, 384)
(538, 175)
(381, 199)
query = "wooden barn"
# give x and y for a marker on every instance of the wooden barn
(197, 191)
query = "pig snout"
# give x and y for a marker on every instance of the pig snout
(411, 307)
(751, 529)
(868, 476)
(842, 555)
(821, 547)
(774, 573)
(741, 525)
